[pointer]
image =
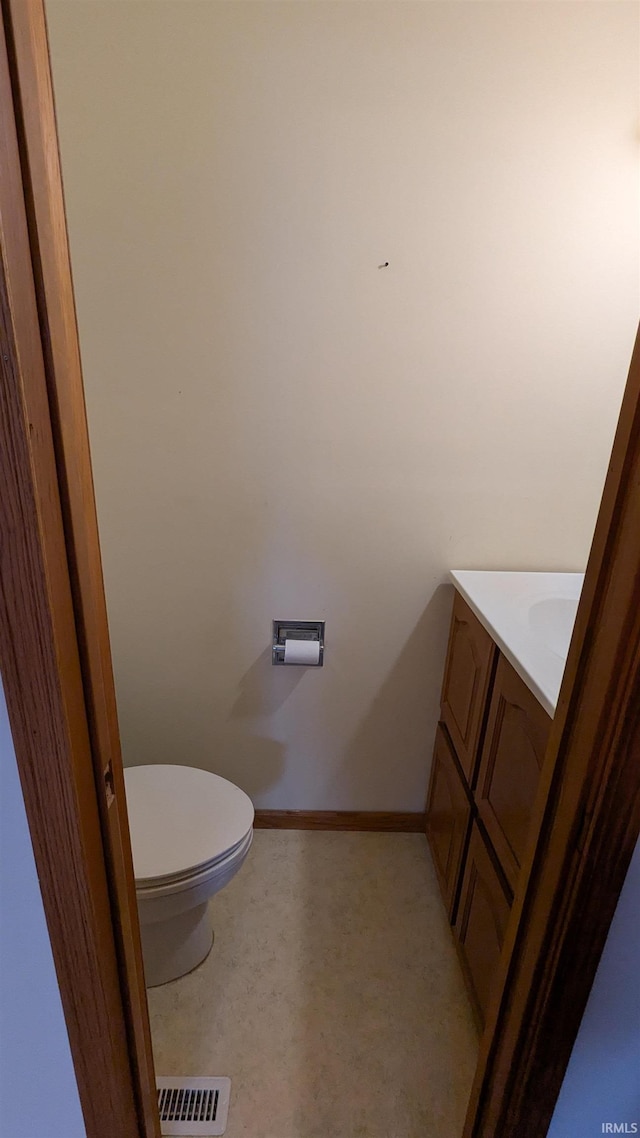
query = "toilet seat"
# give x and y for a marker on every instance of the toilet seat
(163, 887)
(184, 823)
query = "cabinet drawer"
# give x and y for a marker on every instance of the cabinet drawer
(483, 912)
(512, 756)
(447, 819)
(468, 669)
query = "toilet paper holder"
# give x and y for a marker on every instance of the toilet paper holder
(284, 630)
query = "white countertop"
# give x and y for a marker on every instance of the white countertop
(530, 616)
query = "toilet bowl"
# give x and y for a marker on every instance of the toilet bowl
(190, 833)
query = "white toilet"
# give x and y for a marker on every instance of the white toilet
(190, 833)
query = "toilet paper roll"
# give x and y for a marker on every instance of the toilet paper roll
(301, 651)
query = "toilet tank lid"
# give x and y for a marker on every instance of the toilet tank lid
(182, 817)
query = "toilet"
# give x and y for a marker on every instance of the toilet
(190, 833)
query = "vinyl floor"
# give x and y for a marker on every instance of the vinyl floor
(332, 996)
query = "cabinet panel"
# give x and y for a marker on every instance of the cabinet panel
(483, 912)
(512, 756)
(467, 674)
(447, 819)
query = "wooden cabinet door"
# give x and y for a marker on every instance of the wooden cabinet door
(447, 819)
(512, 756)
(467, 675)
(483, 912)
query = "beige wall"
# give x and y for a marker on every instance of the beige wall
(280, 428)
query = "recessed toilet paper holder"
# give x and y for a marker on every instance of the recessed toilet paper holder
(284, 630)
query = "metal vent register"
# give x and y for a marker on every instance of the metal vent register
(193, 1107)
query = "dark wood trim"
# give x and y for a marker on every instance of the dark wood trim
(40, 665)
(586, 824)
(42, 179)
(379, 820)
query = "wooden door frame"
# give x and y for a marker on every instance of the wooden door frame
(36, 129)
(55, 661)
(43, 682)
(37, 260)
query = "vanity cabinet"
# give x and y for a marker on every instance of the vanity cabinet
(448, 818)
(488, 754)
(510, 764)
(467, 675)
(483, 912)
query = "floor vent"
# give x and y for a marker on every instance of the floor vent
(193, 1107)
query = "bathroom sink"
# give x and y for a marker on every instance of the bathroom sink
(552, 621)
(530, 616)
